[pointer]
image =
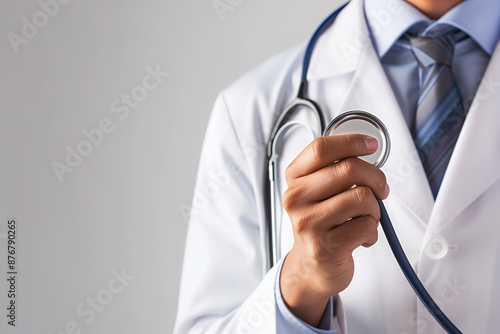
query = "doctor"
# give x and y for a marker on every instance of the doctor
(326, 282)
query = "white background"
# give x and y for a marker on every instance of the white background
(118, 210)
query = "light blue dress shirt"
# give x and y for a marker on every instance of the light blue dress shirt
(479, 19)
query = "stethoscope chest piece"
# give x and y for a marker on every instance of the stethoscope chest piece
(358, 121)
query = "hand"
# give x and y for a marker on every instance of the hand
(332, 202)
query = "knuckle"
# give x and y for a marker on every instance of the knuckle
(346, 168)
(291, 198)
(318, 249)
(370, 229)
(290, 172)
(371, 226)
(384, 178)
(383, 181)
(363, 196)
(319, 147)
(302, 222)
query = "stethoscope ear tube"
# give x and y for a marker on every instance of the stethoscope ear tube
(285, 116)
(412, 278)
(282, 125)
(275, 247)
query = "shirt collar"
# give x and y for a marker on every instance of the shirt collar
(389, 19)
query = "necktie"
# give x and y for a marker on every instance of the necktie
(440, 113)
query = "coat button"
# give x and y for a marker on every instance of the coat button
(437, 248)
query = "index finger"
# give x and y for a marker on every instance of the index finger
(329, 149)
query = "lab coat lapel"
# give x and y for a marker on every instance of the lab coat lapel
(348, 48)
(371, 91)
(473, 167)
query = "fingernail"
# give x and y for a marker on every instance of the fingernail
(387, 190)
(371, 143)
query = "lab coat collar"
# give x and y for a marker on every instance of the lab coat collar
(338, 51)
(473, 166)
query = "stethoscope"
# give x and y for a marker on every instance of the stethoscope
(352, 121)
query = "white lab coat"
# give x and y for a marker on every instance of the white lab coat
(453, 244)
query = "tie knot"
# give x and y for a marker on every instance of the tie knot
(436, 47)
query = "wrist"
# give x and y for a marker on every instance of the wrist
(299, 293)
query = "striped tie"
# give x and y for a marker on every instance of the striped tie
(440, 113)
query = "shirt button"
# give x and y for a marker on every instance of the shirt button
(437, 248)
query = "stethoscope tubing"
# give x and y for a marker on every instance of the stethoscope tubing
(310, 48)
(410, 274)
